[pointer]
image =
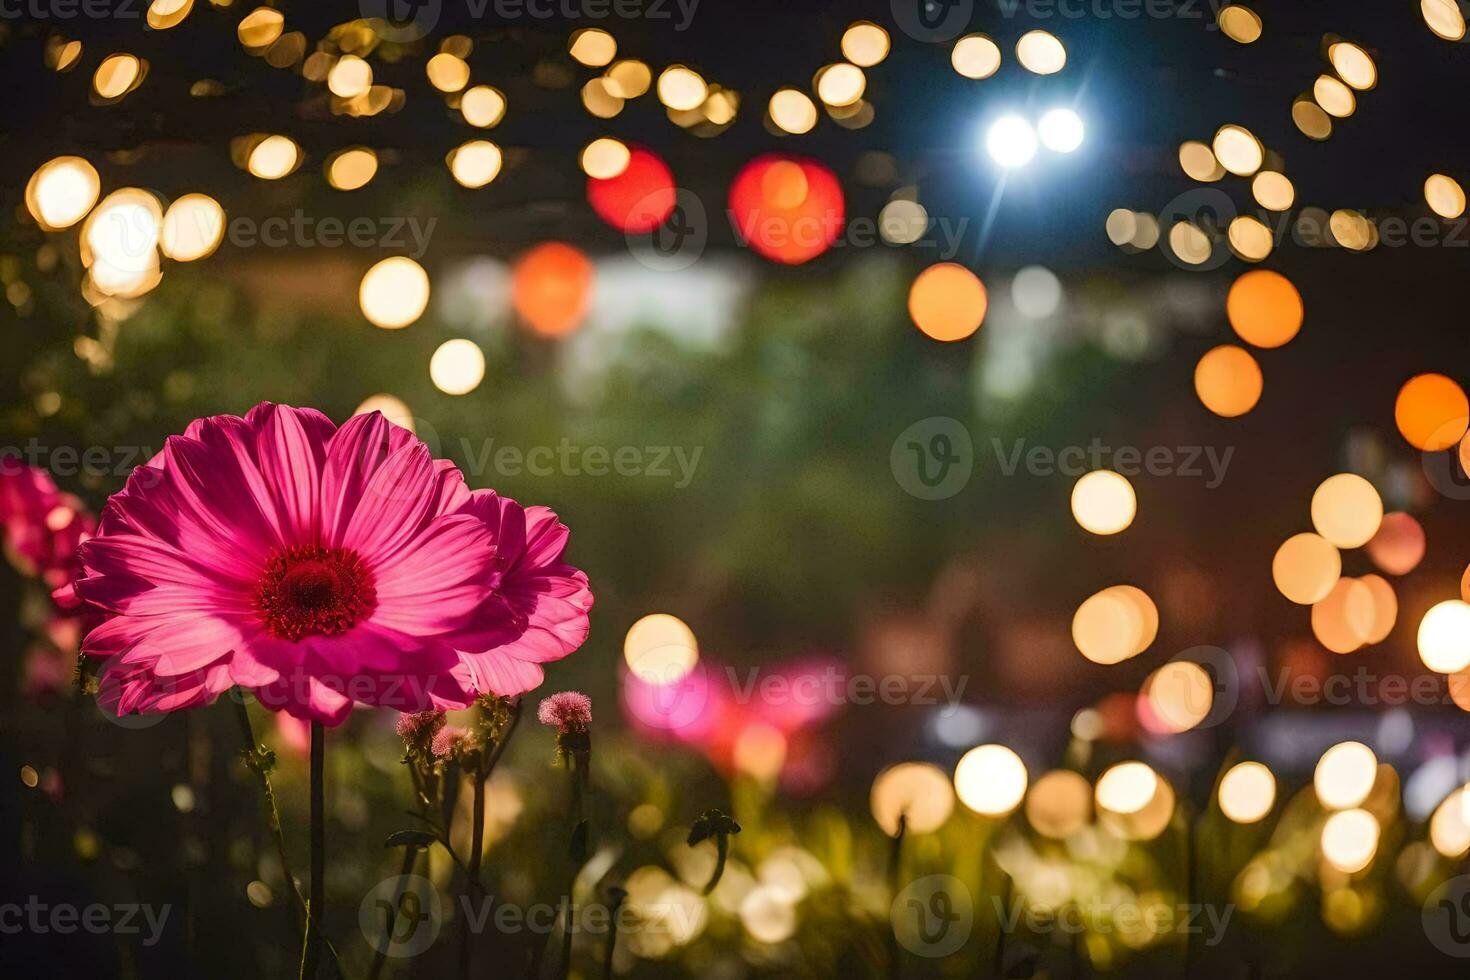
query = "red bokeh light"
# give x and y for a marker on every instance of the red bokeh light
(789, 209)
(550, 287)
(637, 200)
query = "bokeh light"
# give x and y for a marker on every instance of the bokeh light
(394, 292)
(681, 88)
(1264, 308)
(1115, 624)
(1449, 827)
(1198, 162)
(991, 780)
(975, 56)
(447, 72)
(841, 84)
(1431, 412)
(1445, 196)
(551, 286)
(1346, 618)
(457, 366)
(1127, 787)
(350, 77)
(1228, 381)
(592, 47)
(1041, 52)
(1059, 804)
(660, 649)
(1353, 65)
(1399, 545)
(1346, 510)
(1247, 792)
(1010, 141)
(793, 111)
(1060, 130)
(1444, 18)
(1335, 98)
(1444, 637)
(475, 163)
(1103, 502)
(1273, 191)
(947, 302)
(787, 209)
(1350, 840)
(193, 227)
(1177, 697)
(604, 157)
(865, 44)
(1306, 567)
(639, 197)
(391, 407)
(482, 106)
(917, 792)
(1239, 23)
(1238, 150)
(274, 157)
(62, 191)
(352, 168)
(117, 75)
(1345, 775)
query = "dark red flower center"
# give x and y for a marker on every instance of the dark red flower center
(314, 591)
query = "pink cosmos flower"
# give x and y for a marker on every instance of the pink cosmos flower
(322, 566)
(42, 526)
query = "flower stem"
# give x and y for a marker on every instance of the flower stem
(477, 846)
(311, 954)
(410, 857)
(256, 760)
(895, 871)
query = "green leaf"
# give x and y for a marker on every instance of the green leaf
(409, 838)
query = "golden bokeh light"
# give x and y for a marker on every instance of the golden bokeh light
(1350, 840)
(447, 72)
(1346, 510)
(1444, 18)
(1041, 52)
(62, 191)
(1352, 230)
(1239, 23)
(1103, 502)
(991, 780)
(394, 293)
(1228, 381)
(1059, 804)
(1115, 624)
(62, 55)
(1445, 196)
(457, 366)
(1310, 119)
(1353, 65)
(1264, 308)
(193, 227)
(865, 44)
(592, 47)
(975, 56)
(917, 793)
(1449, 827)
(792, 111)
(117, 75)
(1335, 98)
(681, 88)
(1178, 696)
(1249, 237)
(351, 168)
(1344, 620)
(841, 84)
(605, 158)
(1198, 162)
(1385, 607)
(119, 239)
(1273, 191)
(475, 163)
(1305, 568)
(1247, 792)
(628, 79)
(259, 29)
(274, 157)
(1189, 242)
(163, 14)
(1444, 637)
(1238, 150)
(392, 408)
(482, 106)
(1431, 412)
(350, 77)
(947, 302)
(1345, 775)
(660, 649)
(1127, 788)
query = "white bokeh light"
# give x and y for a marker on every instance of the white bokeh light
(1060, 130)
(1010, 141)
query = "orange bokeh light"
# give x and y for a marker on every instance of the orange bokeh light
(1228, 381)
(550, 287)
(947, 301)
(1431, 412)
(1264, 308)
(1398, 547)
